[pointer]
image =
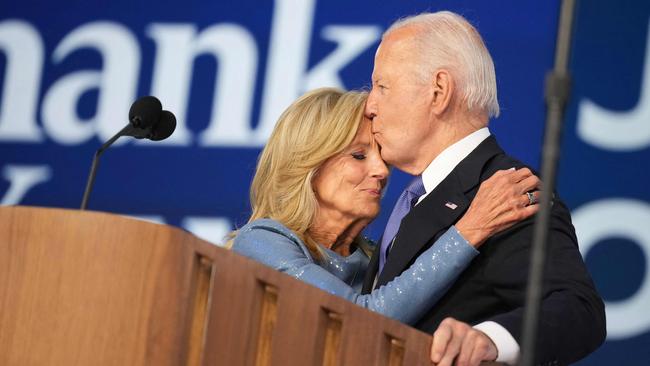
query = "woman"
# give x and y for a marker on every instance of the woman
(318, 184)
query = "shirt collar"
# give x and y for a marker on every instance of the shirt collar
(444, 163)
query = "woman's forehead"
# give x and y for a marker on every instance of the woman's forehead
(364, 133)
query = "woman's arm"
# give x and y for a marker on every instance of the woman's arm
(500, 202)
(405, 298)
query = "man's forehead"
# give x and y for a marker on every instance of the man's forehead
(402, 37)
(393, 51)
(398, 45)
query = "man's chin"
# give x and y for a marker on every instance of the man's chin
(387, 157)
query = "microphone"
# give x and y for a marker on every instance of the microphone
(144, 112)
(164, 128)
(147, 120)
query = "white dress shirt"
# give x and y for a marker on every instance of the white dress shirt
(436, 172)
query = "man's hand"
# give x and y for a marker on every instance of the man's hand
(455, 340)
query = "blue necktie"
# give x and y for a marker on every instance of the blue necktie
(405, 202)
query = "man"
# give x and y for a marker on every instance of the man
(434, 90)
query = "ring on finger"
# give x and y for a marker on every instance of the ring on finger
(531, 198)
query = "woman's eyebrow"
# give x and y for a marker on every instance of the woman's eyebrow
(358, 144)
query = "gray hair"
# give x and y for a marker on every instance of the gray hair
(447, 40)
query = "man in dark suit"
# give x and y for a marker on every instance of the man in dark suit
(434, 90)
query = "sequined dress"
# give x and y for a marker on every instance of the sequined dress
(405, 298)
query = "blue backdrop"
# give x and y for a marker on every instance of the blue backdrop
(69, 70)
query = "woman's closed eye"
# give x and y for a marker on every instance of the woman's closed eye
(359, 156)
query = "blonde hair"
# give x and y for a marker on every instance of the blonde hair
(317, 126)
(448, 40)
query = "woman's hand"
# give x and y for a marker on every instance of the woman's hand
(502, 201)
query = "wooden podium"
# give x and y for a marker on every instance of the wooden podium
(88, 288)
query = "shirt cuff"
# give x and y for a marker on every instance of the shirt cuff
(507, 346)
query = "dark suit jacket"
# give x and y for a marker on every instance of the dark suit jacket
(572, 321)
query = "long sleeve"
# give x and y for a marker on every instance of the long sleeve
(571, 311)
(405, 298)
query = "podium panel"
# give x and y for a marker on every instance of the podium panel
(89, 288)
(93, 289)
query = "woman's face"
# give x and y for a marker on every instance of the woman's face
(350, 184)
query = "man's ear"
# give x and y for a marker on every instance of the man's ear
(443, 87)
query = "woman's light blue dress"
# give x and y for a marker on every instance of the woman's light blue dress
(405, 298)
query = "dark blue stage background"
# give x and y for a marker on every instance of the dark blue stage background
(69, 70)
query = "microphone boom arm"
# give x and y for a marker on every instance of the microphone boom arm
(93, 168)
(147, 120)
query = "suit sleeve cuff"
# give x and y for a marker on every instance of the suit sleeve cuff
(456, 236)
(507, 346)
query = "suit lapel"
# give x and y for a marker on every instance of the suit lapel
(432, 215)
(371, 272)
(420, 225)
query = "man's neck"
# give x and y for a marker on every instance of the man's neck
(449, 158)
(446, 135)
(444, 141)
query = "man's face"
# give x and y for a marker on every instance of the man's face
(399, 103)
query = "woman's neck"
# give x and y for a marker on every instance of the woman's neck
(336, 233)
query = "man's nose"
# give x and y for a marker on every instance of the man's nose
(371, 107)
